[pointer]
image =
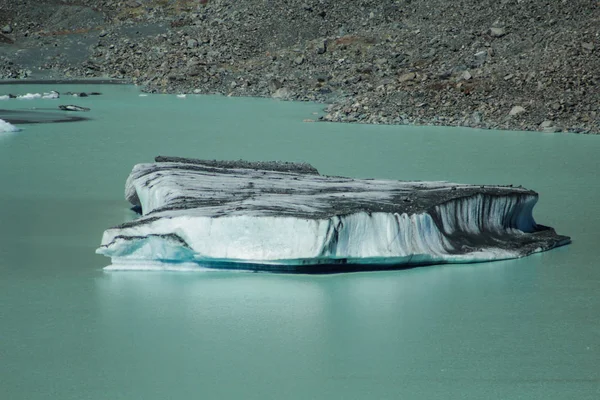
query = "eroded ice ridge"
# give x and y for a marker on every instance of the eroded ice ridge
(287, 217)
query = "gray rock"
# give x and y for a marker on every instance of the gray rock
(516, 110)
(466, 75)
(321, 47)
(589, 46)
(192, 43)
(274, 85)
(365, 68)
(299, 60)
(551, 129)
(578, 130)
(548, 127)
(5, 39)
(7, 29)
(103, 33)
(194, 70)
(497, 32)
(481, 56)
(282, 93)
(445, 74)
(428, 54)
(410, 76)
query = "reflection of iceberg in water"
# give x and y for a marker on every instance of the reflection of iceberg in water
(287, 217)
(37, 117)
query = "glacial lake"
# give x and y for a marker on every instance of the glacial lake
(519, 329)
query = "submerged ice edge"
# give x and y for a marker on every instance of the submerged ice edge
(307, 266)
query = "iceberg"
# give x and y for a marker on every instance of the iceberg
(7, 127)
(30, 96)
(53, 94)
(286, 217)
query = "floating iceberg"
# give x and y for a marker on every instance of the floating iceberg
(286, 217)
(53, 94)
(7, 127)
(30, 96)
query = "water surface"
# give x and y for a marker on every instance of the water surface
(520, 329)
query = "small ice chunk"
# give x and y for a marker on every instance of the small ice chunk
(7, 127)
(5, 97)
(29, 96)
(51, 95)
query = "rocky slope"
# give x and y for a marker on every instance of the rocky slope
(504, 64)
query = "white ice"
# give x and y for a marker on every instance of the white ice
(51, 95)
(7, 127)
(30, 96)
(272, 227)
(359, 238)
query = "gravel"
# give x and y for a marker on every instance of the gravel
(489, 64)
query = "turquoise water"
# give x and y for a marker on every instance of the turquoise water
(522, 329)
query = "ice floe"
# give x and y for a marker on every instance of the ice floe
(7, 127)
(51, 95)
(32, 96)
(29, 96)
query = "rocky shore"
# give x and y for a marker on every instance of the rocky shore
(499, 64)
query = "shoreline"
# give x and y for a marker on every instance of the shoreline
(323, 118)
(497, 65)
(66, 81)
